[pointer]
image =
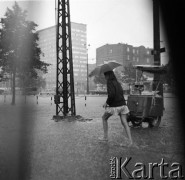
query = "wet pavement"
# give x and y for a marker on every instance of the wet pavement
(35, 147)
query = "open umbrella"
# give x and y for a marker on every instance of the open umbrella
(108, 66)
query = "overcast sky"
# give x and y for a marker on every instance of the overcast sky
(108, 21)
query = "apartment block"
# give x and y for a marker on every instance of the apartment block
(47, 43)
(124, 54)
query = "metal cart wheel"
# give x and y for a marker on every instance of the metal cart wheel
(136, 122)
(155, 122)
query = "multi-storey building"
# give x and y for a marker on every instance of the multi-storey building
(124, 54)
(47, 43)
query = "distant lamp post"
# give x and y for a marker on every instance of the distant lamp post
(87, 70)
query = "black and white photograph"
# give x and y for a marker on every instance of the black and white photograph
(92, 89)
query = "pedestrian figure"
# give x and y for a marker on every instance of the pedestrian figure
(115, 105)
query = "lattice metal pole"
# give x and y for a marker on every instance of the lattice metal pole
(65, 97)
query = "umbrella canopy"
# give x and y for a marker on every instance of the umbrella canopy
(108, 66)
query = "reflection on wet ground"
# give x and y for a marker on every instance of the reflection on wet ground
(41, 148)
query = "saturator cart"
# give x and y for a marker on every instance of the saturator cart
(146, 107)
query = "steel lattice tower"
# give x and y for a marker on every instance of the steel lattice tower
(65, 97)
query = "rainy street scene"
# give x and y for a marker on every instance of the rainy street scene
(89, 90)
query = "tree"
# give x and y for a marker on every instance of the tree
(130, 73)
(26, 82)
(3, 76)
(119, 75)
(19, 50)
(99, 79)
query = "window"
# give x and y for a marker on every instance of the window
(133, 51)
(128, 57)
(147, 60)
(128, 49)
(137, 59)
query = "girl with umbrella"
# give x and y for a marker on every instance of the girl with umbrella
(115, 103)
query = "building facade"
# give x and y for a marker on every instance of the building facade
(47, 43)
(124, 54)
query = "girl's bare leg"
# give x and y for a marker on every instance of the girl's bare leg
(105, 125)
(123, 118)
